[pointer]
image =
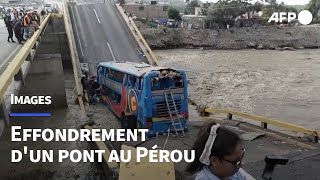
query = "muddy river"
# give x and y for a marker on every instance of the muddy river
(283, 85)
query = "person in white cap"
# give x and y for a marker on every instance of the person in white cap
(218, 155)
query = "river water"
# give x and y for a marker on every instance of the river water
(283, 85)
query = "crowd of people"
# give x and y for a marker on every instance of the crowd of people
(90, 86)
(23, 25)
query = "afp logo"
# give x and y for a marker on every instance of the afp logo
(304, 17)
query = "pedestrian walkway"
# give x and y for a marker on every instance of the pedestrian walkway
(6, 49)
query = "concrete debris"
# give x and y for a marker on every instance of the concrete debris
(252, 45)
(251, 136)
(260, 46)
(288, 48)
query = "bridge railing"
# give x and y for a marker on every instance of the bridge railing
(265, 121)
(19, 66)
(73, 52)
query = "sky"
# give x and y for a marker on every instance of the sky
(289, 2)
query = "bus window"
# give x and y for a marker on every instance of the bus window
(106, 72)
(100, 70)
(116, 76)
(166, 80)
(133, 80)
(138, 83)
(115, 97)
(100, 74)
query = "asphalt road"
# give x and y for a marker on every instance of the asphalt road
(101, 35)
(6, 48)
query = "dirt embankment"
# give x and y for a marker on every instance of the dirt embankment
(260, 37)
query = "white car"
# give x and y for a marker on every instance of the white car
(8, 9)
(48, 8)
(28, 8)
(34, 5)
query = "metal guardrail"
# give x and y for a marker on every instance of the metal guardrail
(14, 68)
(265, 121)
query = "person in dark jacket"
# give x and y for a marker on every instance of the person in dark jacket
(18, 32)
(9, 26)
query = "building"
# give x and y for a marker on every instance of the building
(9, 1)
(194, 21)
(147, 10)
(198, 11)
(19, 1)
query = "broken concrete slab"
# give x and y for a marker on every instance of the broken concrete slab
(250, 136)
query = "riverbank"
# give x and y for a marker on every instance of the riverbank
(259, 37)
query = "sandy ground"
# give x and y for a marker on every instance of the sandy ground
(277, 84)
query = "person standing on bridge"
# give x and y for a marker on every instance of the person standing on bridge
(18, 32)
(33, 23)
(9, 26)
(26, 25)
(218, 155)
(42, 16)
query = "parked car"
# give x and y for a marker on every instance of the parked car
(34, 5)
(48, 8)
(28, 8)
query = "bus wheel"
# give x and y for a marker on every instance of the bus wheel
(132, 124)
(128, 122)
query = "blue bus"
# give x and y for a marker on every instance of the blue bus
(145, 96)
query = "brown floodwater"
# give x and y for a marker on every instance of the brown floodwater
(283, 85)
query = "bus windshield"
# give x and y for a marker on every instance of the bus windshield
(166, 79)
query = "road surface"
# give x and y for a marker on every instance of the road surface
(6, 49)
(101, 35)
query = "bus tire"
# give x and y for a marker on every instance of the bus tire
(132, 124)
(128, 122)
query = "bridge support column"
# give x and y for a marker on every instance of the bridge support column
(19, 77)
(4, 114)
(264, 125)
(36, 45)
(29, 57)
(229, 116)
(39, 38)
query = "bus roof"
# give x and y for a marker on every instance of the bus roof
(136, 69)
